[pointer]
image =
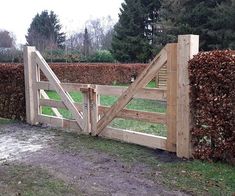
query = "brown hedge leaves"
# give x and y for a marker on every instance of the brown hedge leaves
(97, 73)
(12, 93)
(212, 80)
(12, 90)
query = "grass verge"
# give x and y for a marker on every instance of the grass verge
(4, 121)
(30, 181)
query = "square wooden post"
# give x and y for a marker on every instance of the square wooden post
(171, 96)
(86, 112)
(188, 45)
(94, 115)
(29, 76)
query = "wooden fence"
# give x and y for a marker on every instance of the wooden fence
(92, 118)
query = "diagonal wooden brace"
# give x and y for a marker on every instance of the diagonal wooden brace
(143, 79)
(68, 101)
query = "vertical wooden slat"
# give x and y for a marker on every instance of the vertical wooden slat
(171, 96)
(188, 45)
(36, 91)
(86, 112)
(29, 71)
(157, 80)
(93, 109)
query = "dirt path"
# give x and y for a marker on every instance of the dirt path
(88, 171)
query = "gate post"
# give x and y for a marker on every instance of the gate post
(86, 110)
(29, 72)
(94, 113)
(188, 45)
(171, 95)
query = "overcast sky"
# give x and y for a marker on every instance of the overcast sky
(16, 15)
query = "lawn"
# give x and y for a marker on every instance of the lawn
(135, 104)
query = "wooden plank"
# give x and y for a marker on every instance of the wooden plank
(58, 104)
(144, 93)
(59, 122)
(142, 139)
(94, 115)
(29, 94)
(172, 96)
(36, 78)
(54, 110)
(143, 79)
(133, 137)
(68, 101)
(188, 45)
(69, 87)
(86, 112)
(157, 81)
(151, 117)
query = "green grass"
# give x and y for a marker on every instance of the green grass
(4, 121)
(151, 84)
(31, 181)
(194, 177)
(211, 178)
(135, 104)
(144, 127)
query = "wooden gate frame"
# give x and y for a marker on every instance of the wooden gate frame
(178, 119)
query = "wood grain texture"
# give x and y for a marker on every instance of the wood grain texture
(144, 78)
(172, 96)
(66, 98)
(188, 45)
(29, 71)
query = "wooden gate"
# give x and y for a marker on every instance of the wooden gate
(92, 118)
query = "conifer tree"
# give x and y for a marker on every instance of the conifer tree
(133, 39)
(207, 18)
(44, 32)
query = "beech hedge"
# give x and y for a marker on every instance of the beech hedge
(12, 90)
(97, 73)
(212, 80)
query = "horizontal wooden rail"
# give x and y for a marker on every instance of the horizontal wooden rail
(144, 93)
(58, 104)
(151, 117)
(59, 122)
(69, 87)
(134, 137)
(44, 95)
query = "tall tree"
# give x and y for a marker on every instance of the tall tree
(44, 32)
(7, 40)
(222, 26)
(106, 41)
(134, 39)
(195, 17)
(86, 44)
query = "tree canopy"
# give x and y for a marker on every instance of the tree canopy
(145, 26)
(213, 20)
(6, 39)
(134, 34)
(45, 32)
